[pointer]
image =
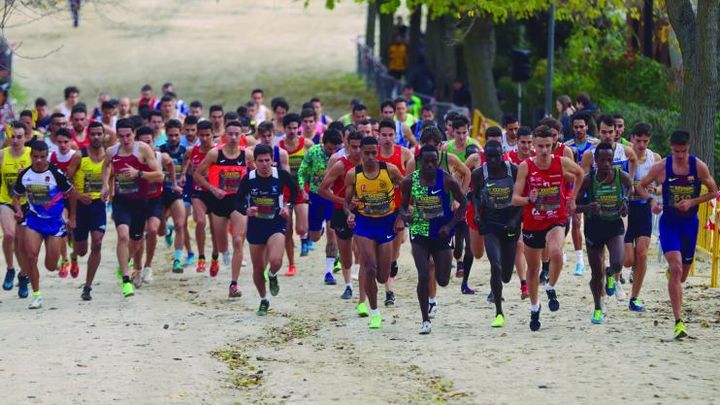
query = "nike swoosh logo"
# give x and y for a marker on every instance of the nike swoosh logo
(671, 179)
(433, 192)
(389, 237)
(491, 184)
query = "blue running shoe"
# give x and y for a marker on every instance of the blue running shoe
(23, 281)
(311, 245)
(9, 279)
(635, 305)
(304, 248)
(610, 285)
(330, 279)
(491, 298)
(190, 260)
(553, 302)
(535, 320)
(579, 269)
(168, 235)
(347, 294)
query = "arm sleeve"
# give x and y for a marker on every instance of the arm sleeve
(61, 179)
(287, 181)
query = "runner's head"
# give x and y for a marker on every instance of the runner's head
(449, 118)
(332, 139)
(580, 124)
(369, 148)
(374, 127)
(364, 127)
(156, 121)
(63, 140)
(555, 127)
(124, 131)
(124, 106)
(205, 133)
(173, 129)
(146, 92)
(680, 146)
(257, 95)
(431, 135)
(144, 135)
(196, 109)
(216, 116)
(108, 110)
(387, 109)
(280, 108)
(72, 94)
(265, 133)
(619, 126)
(493, 134)
(230, 116)
(41, 106)
(543, 141)
(493, 154)
(604, 157)
(346, 131)
(57, 121)
(387, 133)
(606, 129)
(190, 128)
(96, 133)
(291, 123)
(233, 131)
(408, 91)
(18, 135)
(78, 117)
(317, 107)
(39, 156)
(354, 142)
(309, 124)
(511, 125)
(167, 105)
(429, 159)
(263, 156)
(524, 143)
(26, 117)
(359, 113)
(248, 110)
(400, 108)
(640, 136)
(426, 113)
(460, 130)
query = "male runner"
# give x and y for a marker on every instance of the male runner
(523, 151)
(403, 134)
(280, 109)
(540, 188)
(217, 119)
(78, 128)
(156, 121)
(172, 195)
(61, 159)
(265, 136)
(681, 175)
(510, 126)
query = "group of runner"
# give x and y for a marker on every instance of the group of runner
(265, 174)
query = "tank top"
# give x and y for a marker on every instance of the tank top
(296, 156)
(579, 151)
(459, 154)
(88, 177)
(338, 188)
(154, 189)
(81, 144)
(549, 208)
(641, 171)
(196, 157)
(268, 199)
(496, 196)
(61, 161)
(559, 150)
(177, 156)
(620, 159)
(397, 160)
(515, 158)
(276, 156)
(226, 173)
(677, 188)
(431, 205)
(11, 168)
(609, 196)
(126, 186)
(376, 196)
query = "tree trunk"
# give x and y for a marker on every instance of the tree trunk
(440, 53)
(479, 52)
(387, 29)
(414, 46)
(698, 38)
(370, 25)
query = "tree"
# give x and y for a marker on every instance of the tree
(697, 33)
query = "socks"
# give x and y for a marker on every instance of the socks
(578, 256)
(215, 256)
(36, 293)
(264, 299)
(375, 312)
(126, 279)
(523, 282)
(178, 254)
(329, 264)
(232, 283)
(534, 307)
(348, 285)
(549, 287)
(432, 300)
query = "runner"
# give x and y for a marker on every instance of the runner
(262, 113)
(261, 198)
(225, 167)
(78, 128)
(13, 159)
(172, 195)
(127, 162)
(523, 152)
(510, 126)
(432, 222)
(156, 121)
(265, 137)
(403, 134)
(374, 220)
(280, 108)
(309, 125)
(639, 227)
(87, 169)
(310, 174)
(604, 192)
(497, 219)
(217, 119)
(45, 188)
(61, 160)
(188, 139)
(681, 175)
(540, 188)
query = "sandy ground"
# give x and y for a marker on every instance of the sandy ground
(165, 344)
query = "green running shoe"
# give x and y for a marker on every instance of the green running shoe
(338, 265)
(266, 274)
(610, 285)
(680, 330)
(128, 290)
(177, 266)
(375, 322)
(263, 310)
(362, 310)
(597, 317)
(498, 322)
(274, 287)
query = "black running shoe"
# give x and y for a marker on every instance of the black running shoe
(553, 302)
(389, 299)
(347, 294)
(274, 286)
(394, 269)
(86, 294)
(535, 320)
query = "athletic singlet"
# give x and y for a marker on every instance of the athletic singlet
(620, 159)
(81, 144)
(266, 193)
(609, 196)
(496, 197)
(459, 154)
(679, 187)
(549, 208)
(61, 161)
(11, 168)
(227, 173)
(590, 143)
(154, 189)
(376, 197)
(641, 171)
(559, 150)
(44, 191)
(127, 186)
(431, 205)
(295, 157)
(196, 157)
(338, 188)
(276, 156)
(397, 160)
(88, 176)
(177, 156)
(399, 138)
(515, 158)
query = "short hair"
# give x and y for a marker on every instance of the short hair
(70, 90)
(460, 121)
(542, 131)
(136, 121)
(292, 117)
(106, 105)
(94, 124)
(204, 125)
(680, 137)
(373, 121)
(39, 146)
(307, 112)
(57, 115)
(257, 91)
(618, 117)
(493, 147)
(369, 141)
(399, 100)
(78, 109)
(231, 116)
(493, 132)
(387, 103)
(359, 107)
(190, 120)
(233, 123)
(641, 129)
(387, 123)
(552, 123)
(336, 125)
(524, 131)
(154, 113)
(602, 146)
(279, 102)
(581, 116)
(583, 98)
(196, 104)
(242, 111)
(18, 125)
(216, 107)
(607, 120)
(173, 123)
(167, 97)
(124, 123)
(451, 115)
(315, 100)
(431, 133)
(146, 87)
(407, 86)
(508, 118)
(332, 136)
(470, 149)
(40, 102)
(356, 136)
(262, 149)
(64, 132)
(265, 126)
(428, 149)
(26, 113)
(426, 108)
(144, 131)
(307, 105)
(166, 85)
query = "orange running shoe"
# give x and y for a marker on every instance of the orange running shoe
(64, 267)
(214, 268)
(74, 269)
(200, 265)
(291, 271)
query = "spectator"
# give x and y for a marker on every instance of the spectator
(414, 103)
(397, 57)
(460, 95)
(565, 110)
(421, 78)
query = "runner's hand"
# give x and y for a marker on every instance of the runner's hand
(444, 231)
(130, 171)
(84, 198)
(252, 211)
(533, 195)
(219, 194)
(399, 224)
(571, 207)
(72, 224)
(181, 181)
(624, 209)
(684, 205)
(657, 208)
(105, 193)
(285, 212)
(351, 221)
(177, 189)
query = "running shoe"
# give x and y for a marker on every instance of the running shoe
(37, 303)
(466, 290)
(214, 268)
(311, 245)
(362, 310)
(226, 258)
(200, 265)
(524, 292)
(168, 235)
(274, 286)
(190, 259)
(74, 269)
(389, 298)
(64, 268)
(355, 271)
(375, 322)
(620, 293)
(545, 273)
(425, 328)
(147, 275)
(128, 290)
(234, 291)
(244, 263)
(609, 285)
(86, 294)
(460, 272)
(394, 269)
(137, 279)
(177, 266)
(535, 320)
(432, 309)
(291, 271)
(304, 248)
(553, 302)
(680, 330)
(579, 269)
(347, 294)
(9, 280)
(337, 266)
(632, 274)
(266, 275)
(263, 310)
(598, 317)
(498, 322)
(622, 279)
(329, 279)
(635, 305)
(603, 305)
(23, 281)
(490, 298)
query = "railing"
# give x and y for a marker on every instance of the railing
(708, 240)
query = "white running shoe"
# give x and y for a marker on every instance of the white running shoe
(138, 278)
(147, 275)
(36, 303)
(619, 293)
(226, 258)
(355, 271)
(603, 305)
(432, 309)
(244, 263)
(425, 328)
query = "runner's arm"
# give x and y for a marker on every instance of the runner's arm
(406, 187)
(632, 161)
(107, 173)
(155, 174)
(460, 170)
(454, 187)
(74, 164)
(331, 176)
(289, 182)
(305, 164)
(408, 135)
(570, 166)
(514, 222)
(186, 161)
(582, 203)
(284, 160)
(518, 198)
(250, 158)
(242, 195)
(652, 176)
(408, 160)
(587, 161)
(704, 176)
(395, 176)
(170, 166)
(199, 174)
(349, 192)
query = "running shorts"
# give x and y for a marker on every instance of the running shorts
(381, 229)
(45, 226)
(339, 224)
(598, 232)
(222, 207)
(432, 245)
(89, 218)
(132, 213)
(155, 208)
(169, 197)
(536, 239)
(203, 196)
(321, 210)
(639, 222)
(260, 230)
(679, 234)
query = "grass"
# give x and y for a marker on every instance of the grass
(243, 375)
